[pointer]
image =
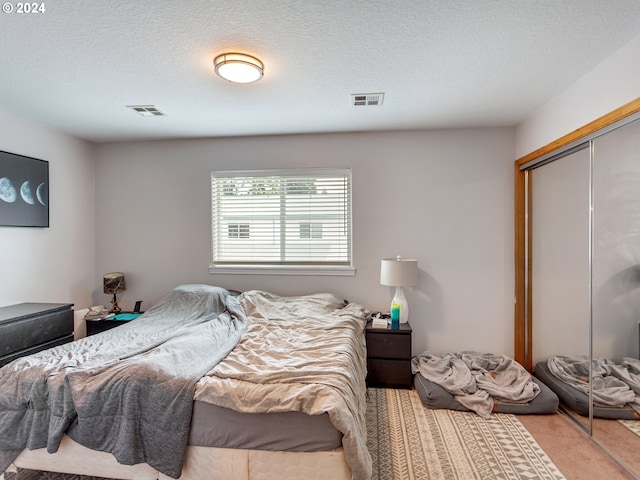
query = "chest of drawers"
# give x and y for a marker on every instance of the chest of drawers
(389, 356)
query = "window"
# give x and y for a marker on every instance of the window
(238, 230)
(310, 230)
(297, 220)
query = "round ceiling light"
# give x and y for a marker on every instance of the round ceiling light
(238, 67)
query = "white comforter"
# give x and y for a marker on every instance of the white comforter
(303, 354)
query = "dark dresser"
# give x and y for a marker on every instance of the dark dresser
(27, 328)
(389, 356)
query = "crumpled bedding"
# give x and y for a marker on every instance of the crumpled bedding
(128, 391)
(302, 354)
(476, 379)
(614, 385)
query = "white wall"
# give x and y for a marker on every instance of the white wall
(55, 264)
(610, 85)
(443, 197)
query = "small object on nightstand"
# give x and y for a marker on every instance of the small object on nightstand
(399, 272)
(113, 284)
(98, 312)
(380, 320)
(379, 323)
(395, 316)
(127, 316)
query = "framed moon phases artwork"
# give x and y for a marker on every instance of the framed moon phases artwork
(24, 191)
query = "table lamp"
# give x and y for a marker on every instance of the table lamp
(399, 272)
(114, 284)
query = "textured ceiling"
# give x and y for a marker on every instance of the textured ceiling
(440, 64)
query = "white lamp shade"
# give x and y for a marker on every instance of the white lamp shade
(399, 272)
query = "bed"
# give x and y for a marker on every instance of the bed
(269, 387)
(614, 398)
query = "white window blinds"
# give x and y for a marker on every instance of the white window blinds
(281, 218)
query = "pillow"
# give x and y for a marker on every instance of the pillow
(190, 301)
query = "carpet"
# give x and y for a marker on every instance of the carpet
(410, 442)
(633, 425)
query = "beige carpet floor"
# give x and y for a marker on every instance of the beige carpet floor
(611, 440)
(572, 450)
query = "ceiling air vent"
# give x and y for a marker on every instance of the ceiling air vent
(366, 99)
(146, 110)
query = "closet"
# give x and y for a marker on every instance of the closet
(578, 264)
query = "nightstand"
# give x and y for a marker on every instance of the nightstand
(389, 356)
(97, 326)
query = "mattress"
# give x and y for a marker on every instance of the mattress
(434, 396)
(577, 400)
(214, 426)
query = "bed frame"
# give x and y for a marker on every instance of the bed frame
(201, 462)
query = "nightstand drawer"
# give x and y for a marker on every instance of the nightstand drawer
(383, 345)
(99, 326)
(389, 373)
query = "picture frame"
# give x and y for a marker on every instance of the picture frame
(24, 191)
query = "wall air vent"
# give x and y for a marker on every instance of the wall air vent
(146, 110)
(366, 99)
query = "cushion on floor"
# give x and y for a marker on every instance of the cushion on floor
(577, 400)
(434, 396)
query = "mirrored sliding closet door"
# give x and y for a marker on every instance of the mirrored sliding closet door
(616, 292)
(560, 254)
(583, 265)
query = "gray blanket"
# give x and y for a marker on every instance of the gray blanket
(475, 379)
(128, 391)
(614, 385)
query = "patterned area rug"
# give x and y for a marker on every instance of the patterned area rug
(410, 442)
(633, 425)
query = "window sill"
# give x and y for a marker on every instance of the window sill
(281, 270)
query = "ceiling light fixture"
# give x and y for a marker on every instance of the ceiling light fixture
(238, 67)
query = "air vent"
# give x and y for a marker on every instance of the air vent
(146, 110)
(366, 99)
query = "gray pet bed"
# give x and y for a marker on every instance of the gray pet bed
(434, 396)
(577, 400)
